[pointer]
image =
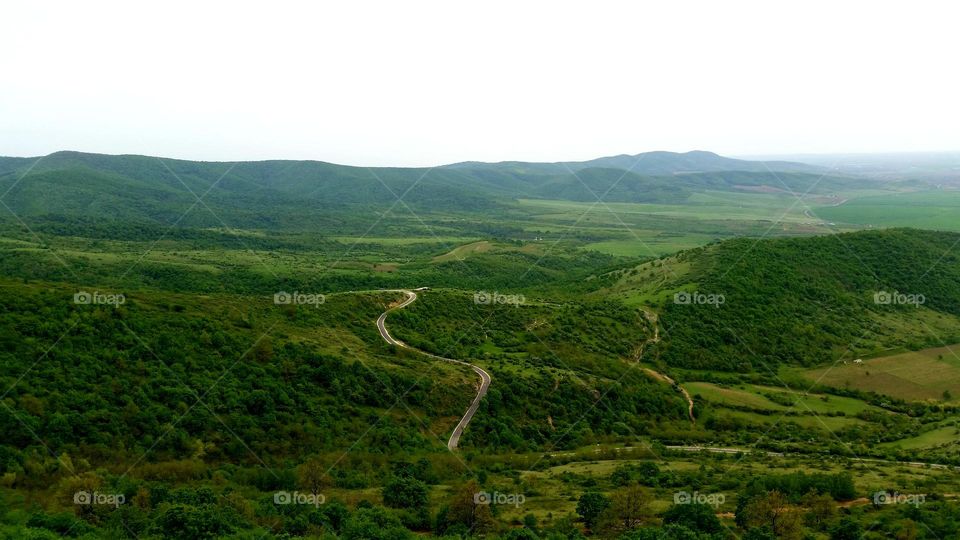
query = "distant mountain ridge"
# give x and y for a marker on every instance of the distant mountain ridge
(654, 163)
(310, 194)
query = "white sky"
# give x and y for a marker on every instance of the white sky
(423, 83)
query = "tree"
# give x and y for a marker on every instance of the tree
(628, 508)
(759, 533)
(263, 350)
(648, 473)
(405, 492)
(312, 476)
(374, 524)
(667, 532)
(520, 534)
(590, 506)
(698, 517)
(190, 522)
(821, 509)
(774, 511)
(847, 529)
(465, 510)
(530, 522)
(907, 530)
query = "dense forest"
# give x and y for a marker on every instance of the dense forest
(807, 301)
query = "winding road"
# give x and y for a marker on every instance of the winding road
(484, 376)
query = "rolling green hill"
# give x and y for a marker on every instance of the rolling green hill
(805, 301)
(311, 195)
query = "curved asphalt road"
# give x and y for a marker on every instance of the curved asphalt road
(484, 376)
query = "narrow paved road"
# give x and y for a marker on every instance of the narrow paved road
(484, 376)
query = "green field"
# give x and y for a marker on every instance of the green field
(825, 424)
(644, 243)
(926, 209)
(706, 205)
(732, 396)
(813, 411)
(929, 439)
(920, 375)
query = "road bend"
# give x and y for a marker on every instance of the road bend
(484, 376)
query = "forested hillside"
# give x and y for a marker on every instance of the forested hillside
(313, 195)
(809, 301)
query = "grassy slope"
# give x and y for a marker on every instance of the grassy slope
(919, 375)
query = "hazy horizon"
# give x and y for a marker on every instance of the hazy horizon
(814, 158)
(430, 83)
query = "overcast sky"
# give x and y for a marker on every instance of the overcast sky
(422, 83)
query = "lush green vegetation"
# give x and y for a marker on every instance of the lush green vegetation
(202, 409)
(812, 301)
